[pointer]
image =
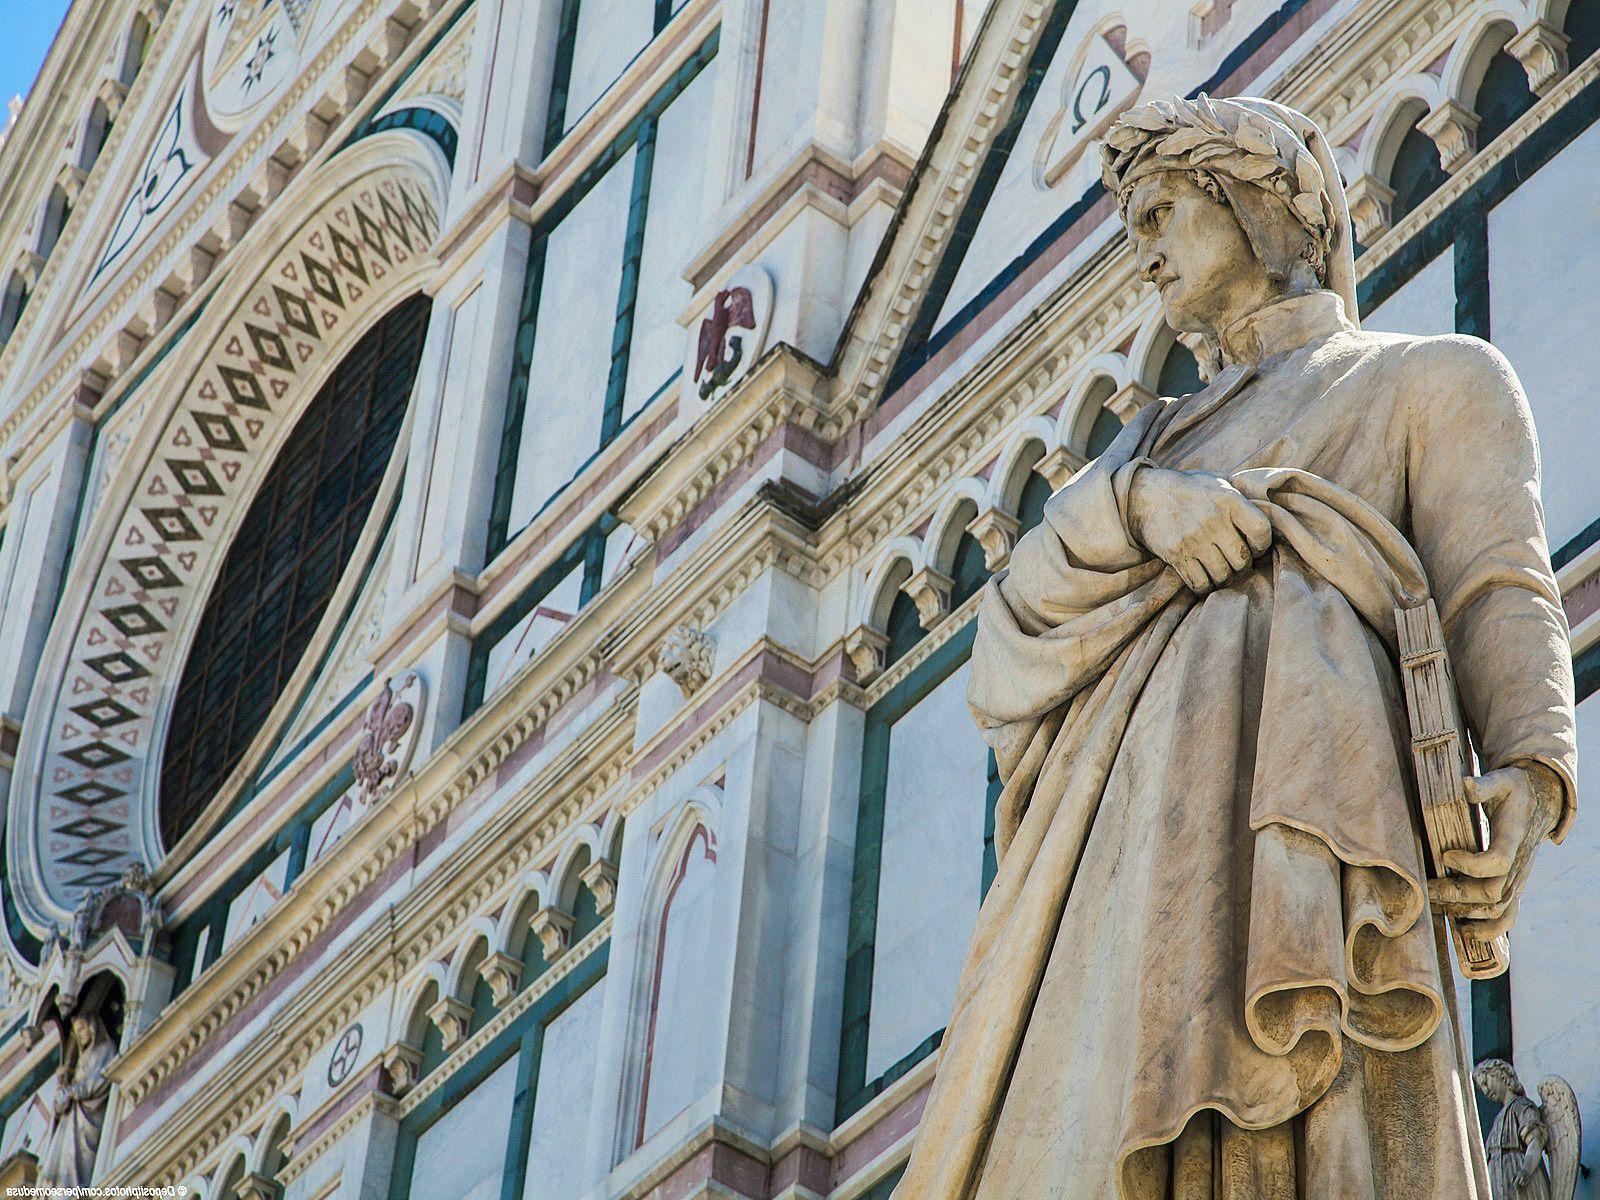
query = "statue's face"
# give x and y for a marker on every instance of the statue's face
(1493, 1085)
(1193, 250)
(83, 1031)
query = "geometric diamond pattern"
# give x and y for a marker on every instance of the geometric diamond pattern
(88, 828)
(152, 574)
(172, 524)
(95, 756)
(219, 432)
(120, 667)
(90, 856)
(125, 668)
(194, 477)
(91, 793)
(104, 712)
(243, 387)
(134, 620)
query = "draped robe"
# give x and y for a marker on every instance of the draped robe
(1207, 967)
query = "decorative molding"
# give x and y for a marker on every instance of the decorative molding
(600, 877)
(866, 646)
(929, 590)
(452, 1018)
(1541, 48)
(402, 1067)
(1369, 207)
(553, 927)
(1454, 129)
(996, 532)
(502, 972)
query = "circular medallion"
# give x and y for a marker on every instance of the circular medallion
(346, 1052)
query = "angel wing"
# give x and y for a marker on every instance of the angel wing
(1566, 1135)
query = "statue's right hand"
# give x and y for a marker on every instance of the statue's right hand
(1198, 524)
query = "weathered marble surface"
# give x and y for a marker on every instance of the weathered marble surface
(1207, 966)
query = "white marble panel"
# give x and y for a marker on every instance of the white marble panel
(256, 900)
(680, 1070)
(572, 342)
(622, 543)
(1424, 304)
(561, 1102)
(931, 872)
(671, 237)
(461, 1156)
(1543, 240)
(531, 634)
(610, 33)
(1555, 953)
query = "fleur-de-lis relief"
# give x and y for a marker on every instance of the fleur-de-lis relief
(387, 723)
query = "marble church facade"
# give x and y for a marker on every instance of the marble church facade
(493, 495)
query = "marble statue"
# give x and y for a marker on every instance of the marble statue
(82, 1095)
(1524, 1133)
(1212, 962)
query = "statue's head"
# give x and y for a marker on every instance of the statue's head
(1230, 204)
(1497, 1079)
(83, 1031)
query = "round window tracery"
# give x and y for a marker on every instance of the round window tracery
(285, 562)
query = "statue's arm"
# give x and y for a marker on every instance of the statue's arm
(1533, 1153)
(1473, 476)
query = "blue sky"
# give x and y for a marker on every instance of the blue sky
(30, 27)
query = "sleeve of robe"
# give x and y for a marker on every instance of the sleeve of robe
(1075, 561)
(1472, 463)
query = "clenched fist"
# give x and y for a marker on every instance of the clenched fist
(1197, 524)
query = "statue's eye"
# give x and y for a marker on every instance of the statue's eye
(1159, 216)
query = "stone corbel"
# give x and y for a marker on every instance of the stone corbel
(28, 265)
(1129, 400)
(865, 646)
(502, 972)
(258, 1187)
(452, 1017)
(1454, 129)
(71, 178)
(1541, 48)
(1369, 207)
(1060, 465)
(402, 1065)
(996, 532)
(929, 590)
(112, 92)
(600, 877)
(553, 927)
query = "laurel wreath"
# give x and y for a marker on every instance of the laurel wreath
(1196, 135)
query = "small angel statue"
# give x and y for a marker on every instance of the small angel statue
(1525, 1133)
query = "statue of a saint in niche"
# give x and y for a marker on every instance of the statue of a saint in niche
(1208, 966)
(83, 1093)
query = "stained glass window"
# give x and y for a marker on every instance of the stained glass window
(285, 562)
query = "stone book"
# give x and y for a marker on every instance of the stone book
(1439, 753)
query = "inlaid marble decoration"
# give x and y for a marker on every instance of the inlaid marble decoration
(99, 768)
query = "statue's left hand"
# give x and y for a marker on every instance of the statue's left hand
(1523, 804)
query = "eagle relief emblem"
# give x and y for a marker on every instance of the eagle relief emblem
(733, 334)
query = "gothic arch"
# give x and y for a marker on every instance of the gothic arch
(334, 259)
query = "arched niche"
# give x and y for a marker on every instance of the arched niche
(330, 261)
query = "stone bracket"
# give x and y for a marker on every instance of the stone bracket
(996, 532)
(553, 927)
(502, 972)
(865, 646)
(929, 589)
(1454, 129)
(452, 1017)
(600, 877)
(1542, 50)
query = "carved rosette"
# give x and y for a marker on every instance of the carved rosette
(687, 656)
(388, 737)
